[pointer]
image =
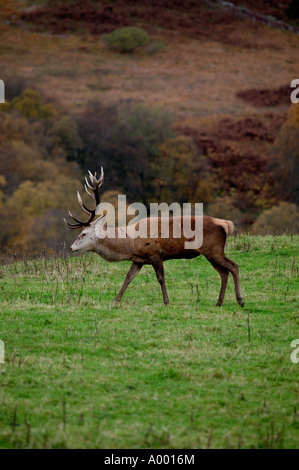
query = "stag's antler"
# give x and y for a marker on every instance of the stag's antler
(94, 185)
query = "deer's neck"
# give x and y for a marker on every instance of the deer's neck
(114, 248)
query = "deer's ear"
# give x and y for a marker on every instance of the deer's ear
(100, 221)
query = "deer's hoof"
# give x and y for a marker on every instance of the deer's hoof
(218, 304)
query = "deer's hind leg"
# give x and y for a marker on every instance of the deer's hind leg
(223, 272)
(223, 263)
(234, 269)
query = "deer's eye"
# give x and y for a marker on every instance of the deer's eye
(83, 235)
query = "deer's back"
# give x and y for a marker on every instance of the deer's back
(170, 244)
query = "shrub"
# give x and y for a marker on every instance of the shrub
(127, 39)
(282, 219)
(178, 171)
(30, 105)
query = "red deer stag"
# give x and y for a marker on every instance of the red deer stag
(154, 251)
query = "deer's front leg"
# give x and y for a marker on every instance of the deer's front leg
(133, 271)
(159, 268)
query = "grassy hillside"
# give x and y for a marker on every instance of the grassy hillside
(197, 73)
(82, 372)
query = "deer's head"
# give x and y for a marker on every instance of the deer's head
(86, 241)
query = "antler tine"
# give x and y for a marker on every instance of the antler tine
(87, 182)
(72, 225)
(74, 218)
(93, 180)
(102, 176)
(83, 207)
(88, 191)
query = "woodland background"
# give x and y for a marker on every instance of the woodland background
(196, 109)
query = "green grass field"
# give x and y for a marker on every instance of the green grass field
(82, 372)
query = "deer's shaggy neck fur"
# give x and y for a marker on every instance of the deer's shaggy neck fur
(114, 249)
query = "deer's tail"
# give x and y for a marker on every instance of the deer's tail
(227, 225)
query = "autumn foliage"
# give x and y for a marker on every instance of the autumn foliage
(45, 153)
(37, 180)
